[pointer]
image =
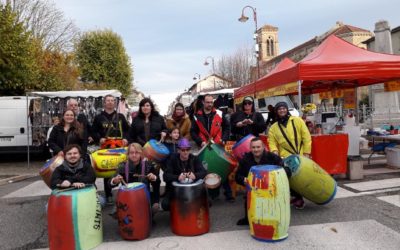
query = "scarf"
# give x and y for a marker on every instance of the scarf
(73, 170)
(283, 120)
(177, 118)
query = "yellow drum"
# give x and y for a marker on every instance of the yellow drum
(268, 203)
(310, 180)
(105, 161)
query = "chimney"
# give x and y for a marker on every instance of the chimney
(383, 39)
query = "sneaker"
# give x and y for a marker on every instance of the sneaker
(242, 222)
(110, 200)
(298, 203)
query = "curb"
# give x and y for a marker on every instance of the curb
(16, 178)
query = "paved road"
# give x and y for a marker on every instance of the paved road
(365, 215)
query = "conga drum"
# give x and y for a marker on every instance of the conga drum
(48, 168)
(133, 211)
(242, 146)
(189, 209)
(155, 151)
(105, 161)
(310, 180)
(74, 219)
(268, 203)
(217, 160)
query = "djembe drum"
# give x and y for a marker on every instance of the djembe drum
(268, 203)
(48, 168)
(105, 161)
(74, 219)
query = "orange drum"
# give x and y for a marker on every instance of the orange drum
(112, 142)
(155, 151)
(48, 168)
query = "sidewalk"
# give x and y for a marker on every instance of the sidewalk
(18, 171)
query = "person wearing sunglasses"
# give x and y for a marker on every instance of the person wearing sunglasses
(183, 167)
(247, 121)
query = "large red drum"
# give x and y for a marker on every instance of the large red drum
(189, 209)
(133, 211)
(48, 168)
(155, 151)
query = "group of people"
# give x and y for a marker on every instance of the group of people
(206, 124)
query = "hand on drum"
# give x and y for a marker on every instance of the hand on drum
(78, 185)
(185, 177)
(151, 177)
(125, 142)
(102, 141)
(61, 153)
(65, 184)
(163, 135)
(117, 180)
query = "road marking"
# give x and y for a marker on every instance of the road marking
(338, 235)
(393, 199)
(374, 185)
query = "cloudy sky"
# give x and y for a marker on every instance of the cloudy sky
(168, 40)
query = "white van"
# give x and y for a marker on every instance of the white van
(273, 100)
(13, 125)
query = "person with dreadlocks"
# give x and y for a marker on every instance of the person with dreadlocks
(289, 135)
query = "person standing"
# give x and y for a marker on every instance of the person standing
(110, 129)
(67, 132)
(247, 121)
(209, 125)
(257, 156)
(289, 135)
(180, 120)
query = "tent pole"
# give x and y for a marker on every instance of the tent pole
(356, 105)
(28, 130)
(299, 82)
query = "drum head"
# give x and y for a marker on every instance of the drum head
(212, 180)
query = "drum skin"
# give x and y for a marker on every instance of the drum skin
(133, 211)
(310, 180)
(74, 219)
(242, 146)
(189, 209)
(48, 168)
(155, 151)
(268, 203)
(212, 181)
(105, 161)
(218, 160)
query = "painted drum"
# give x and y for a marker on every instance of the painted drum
(48, 168)
(212, 181)
(112, 142)
(133, 211)
(189, 209)
(310, 180)
(155, 151)
(105, 161)
(268, 203)
(242, 146)
(217, 160)
(74, 219)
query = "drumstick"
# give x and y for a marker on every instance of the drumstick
(65, 189)
(123, 182)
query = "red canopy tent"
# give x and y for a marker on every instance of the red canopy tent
(336, 64)
(251, 89)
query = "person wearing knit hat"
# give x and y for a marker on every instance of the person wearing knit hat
(181, 167)
(247, 121)
(289, 135)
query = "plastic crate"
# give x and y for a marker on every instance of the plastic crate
(393, 156)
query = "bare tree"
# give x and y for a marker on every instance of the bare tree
(236, 67)
(47, 23)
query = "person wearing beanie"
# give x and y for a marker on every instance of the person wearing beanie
(182, 166)
(247, 121)
(289, 135)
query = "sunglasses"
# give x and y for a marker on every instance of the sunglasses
(247, 103)
(185, 149)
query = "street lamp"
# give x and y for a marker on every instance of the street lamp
(198, 76)
(244, 19)
(206, 63)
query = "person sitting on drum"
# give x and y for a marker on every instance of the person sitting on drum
(182, 167)
(257, 156)
(137, 169)
(74, 172)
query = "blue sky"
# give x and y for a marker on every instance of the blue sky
(168, 40)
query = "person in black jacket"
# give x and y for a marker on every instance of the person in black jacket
(67, 132)
(110, 129)
(257, 156)
(73, 172)
(148, 124)
(247, 121)
(181, 167)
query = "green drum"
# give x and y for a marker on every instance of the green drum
(310, 180)
(217, 160)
